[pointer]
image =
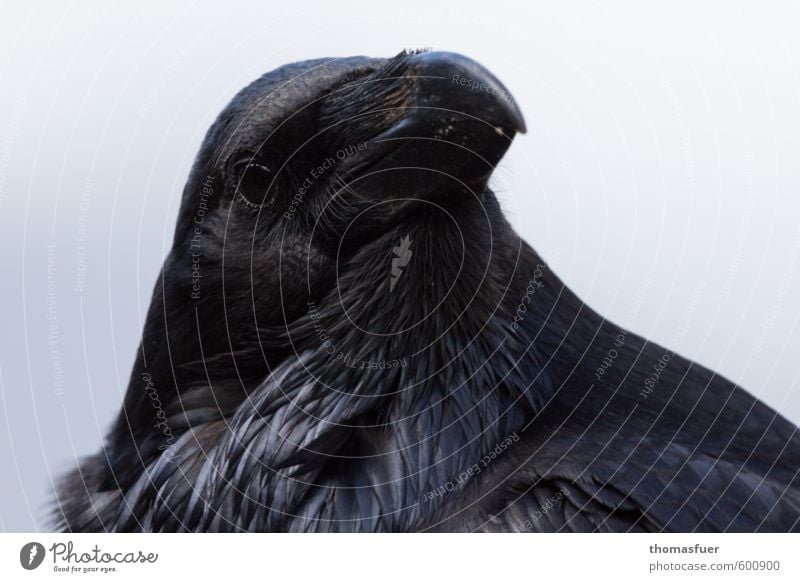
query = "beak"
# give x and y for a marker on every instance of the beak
(450, 88)
(457, 122)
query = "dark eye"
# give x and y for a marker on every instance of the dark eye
(254, 185)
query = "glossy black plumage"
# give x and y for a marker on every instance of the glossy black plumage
(316, 378)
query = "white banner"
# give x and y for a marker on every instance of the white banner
(450, 557)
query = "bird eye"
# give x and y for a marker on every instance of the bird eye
(254, 184)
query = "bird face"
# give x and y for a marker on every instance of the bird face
(316, 162)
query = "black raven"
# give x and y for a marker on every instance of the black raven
(347, 335)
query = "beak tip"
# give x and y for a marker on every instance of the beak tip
(519, 125)
(471, 86)
(510, 132)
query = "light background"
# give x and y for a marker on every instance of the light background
(659, 177)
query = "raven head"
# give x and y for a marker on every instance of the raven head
(315, 162)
